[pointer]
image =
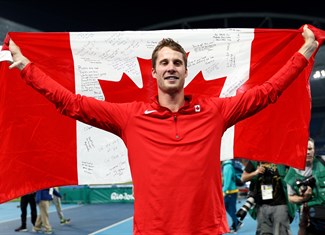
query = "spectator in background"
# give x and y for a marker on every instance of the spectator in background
(230, 192)
(24, 201)
(57, 203)
(43, 199)
(272, 210)
(306, 189)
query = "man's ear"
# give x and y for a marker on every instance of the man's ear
(153, 73)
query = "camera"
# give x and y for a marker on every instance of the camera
(302, 184)
(250, 203)
(267, 176)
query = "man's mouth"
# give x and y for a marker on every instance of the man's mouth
(171, 78)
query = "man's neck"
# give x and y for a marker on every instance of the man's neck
(171, 101)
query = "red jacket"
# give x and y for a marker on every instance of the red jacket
(174, 157)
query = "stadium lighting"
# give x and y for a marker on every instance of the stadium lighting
(318, 74)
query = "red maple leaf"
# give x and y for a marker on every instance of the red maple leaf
(126, 90)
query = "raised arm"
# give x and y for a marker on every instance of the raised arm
(89, 110)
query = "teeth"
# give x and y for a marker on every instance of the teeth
(171, 78)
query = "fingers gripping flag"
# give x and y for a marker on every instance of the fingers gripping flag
(41, 148)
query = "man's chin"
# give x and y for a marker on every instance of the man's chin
(173, 90)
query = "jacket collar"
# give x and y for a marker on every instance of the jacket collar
(162, 112)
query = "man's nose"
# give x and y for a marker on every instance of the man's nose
(171, 67)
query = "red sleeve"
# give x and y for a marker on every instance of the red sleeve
(251, 101)
(98, 113)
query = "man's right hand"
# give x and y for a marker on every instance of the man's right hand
(19, 60)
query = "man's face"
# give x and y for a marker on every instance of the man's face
(310, 153)
(170, 71)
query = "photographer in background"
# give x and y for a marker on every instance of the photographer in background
(306, 188)
(268, 193)
(230, 193)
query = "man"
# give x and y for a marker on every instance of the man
(272, 210)
(306, 189)
(230, 192)
(44, 197)
(58, 207)
(24, 201)
(173, 142)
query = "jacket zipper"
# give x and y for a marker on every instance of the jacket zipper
(176, 129)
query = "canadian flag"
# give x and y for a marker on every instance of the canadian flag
(41, 148)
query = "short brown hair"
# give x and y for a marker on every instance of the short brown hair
(168, 42)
